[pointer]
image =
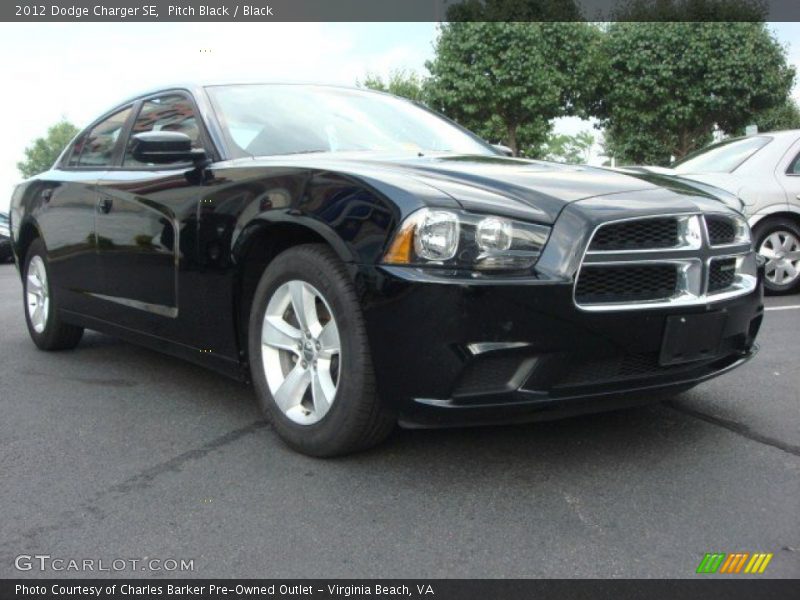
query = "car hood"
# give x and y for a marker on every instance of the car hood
(517, 187)
(722, 185)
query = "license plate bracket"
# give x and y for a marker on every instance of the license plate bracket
(688, 338)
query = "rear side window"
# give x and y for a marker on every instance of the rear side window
(723, 157)
(794, 168)
(167, 113)
(96, 149)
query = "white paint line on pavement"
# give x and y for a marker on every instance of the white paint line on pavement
(790, 307)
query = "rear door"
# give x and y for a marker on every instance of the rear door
(68, 207)
(788, 174)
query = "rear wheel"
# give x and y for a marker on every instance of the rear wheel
(309, 356)
(778, 241)
(45, 326)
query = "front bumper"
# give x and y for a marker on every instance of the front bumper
(461, 352)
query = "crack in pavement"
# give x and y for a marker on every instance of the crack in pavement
(735, 427)
(74, 518)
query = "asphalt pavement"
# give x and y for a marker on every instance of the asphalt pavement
(113, 452)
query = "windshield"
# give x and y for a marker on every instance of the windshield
(723, 157)
(264, 120)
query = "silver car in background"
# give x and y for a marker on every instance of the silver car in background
(764, 171)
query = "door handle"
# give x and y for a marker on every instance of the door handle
(47, 194)
(104, 205)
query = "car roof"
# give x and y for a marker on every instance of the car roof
(196, 86)
(777, 134)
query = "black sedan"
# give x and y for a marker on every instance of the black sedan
(364, 261)
(5, 239)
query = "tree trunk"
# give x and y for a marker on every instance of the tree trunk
(684, 145)
(511, 133)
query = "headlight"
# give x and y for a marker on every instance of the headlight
(459, 239)
(436, 235)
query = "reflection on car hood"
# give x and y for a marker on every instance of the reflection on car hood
(714, 184)
(516, 184)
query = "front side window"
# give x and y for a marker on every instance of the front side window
(723, 157)
(96, 149)
(167, 113)
(264, 120)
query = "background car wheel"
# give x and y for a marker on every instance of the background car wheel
(45, 326)
(778, 241)
(309, 356)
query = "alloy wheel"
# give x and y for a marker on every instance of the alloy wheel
(782, 250)
(301, 352)
(38, 294)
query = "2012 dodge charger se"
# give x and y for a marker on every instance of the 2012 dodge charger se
(365, 261)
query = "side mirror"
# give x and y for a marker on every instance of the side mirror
(164, 147)
(503, 149)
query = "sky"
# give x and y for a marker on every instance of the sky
(78, 70)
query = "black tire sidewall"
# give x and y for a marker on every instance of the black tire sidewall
(764, 230)
(339, 427)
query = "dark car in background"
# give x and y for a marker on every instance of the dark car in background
(365, 262)
(5, 239)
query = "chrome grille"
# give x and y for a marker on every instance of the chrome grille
(637, 235)
(721, 274)
(665, 261)
(627, 283)
(721, 230)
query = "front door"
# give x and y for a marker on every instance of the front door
(146, 224)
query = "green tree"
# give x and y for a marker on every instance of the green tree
(514, 10)
(570, 149)
(400, 82)
(783, 116)
(44, 151)
(691, 10)
(668, 85)
(507, 81)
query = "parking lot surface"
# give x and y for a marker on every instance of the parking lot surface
(112, 451)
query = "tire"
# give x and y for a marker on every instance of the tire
(778, 241)
(46, 328)
(321, 402)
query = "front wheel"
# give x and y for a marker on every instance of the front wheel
(45, 326)
(309, 356)
(778, 241)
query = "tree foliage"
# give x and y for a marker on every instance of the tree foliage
(44, 151)
(668, 85)
(508, 81)
(570, 149)
(514, 10)
(400, 82)
(783, 116)
(690, 10)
